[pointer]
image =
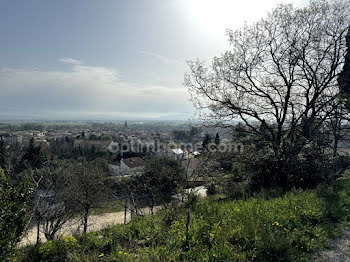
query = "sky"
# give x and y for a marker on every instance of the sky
(110, 59)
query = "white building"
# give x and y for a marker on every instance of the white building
(177, 153)
(133, 165)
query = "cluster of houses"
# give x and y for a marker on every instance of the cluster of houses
(83, 135)
(40, 137)
(23, 137)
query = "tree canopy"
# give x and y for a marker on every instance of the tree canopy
(14, 205)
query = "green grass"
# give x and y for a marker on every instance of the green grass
(287, 228)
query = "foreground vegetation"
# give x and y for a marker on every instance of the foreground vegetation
(285, 228)
(285, 83)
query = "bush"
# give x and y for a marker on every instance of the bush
(211, 189)
(14, 206)
(58, 250)
(257, 169)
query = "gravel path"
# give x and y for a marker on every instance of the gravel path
(339, 250)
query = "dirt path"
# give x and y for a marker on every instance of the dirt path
(96, 222)
(339, 250)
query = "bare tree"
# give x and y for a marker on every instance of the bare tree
(59, 208)
(119, 190)
(161, 180)
(52, 206)
(280, 75)
(156, 185)
(87, 187)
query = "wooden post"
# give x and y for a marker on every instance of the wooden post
(187, 244)
(125, 211)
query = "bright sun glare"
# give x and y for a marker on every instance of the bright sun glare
(215, 16)
(211, 15)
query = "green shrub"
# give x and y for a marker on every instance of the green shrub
(211, 189)
(58, 250)
(14, 212)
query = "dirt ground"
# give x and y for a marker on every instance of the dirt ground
(95, 223)
(338, 251)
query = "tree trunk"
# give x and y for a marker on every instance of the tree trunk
(86, 215)
(125, 211)
(335, 146)
(38, 232)
(152, 205)
(131, 214)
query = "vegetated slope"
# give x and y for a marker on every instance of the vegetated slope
(287, 228)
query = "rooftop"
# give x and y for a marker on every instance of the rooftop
(133, 162)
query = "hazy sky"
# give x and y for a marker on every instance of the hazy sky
(110, 59)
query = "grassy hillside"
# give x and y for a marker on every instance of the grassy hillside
(287, 228)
